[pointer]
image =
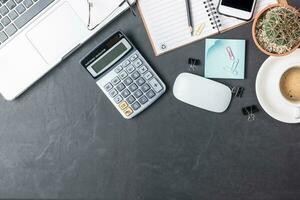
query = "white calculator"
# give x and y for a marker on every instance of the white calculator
(124, 75)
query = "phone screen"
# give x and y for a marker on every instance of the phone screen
(245, 5)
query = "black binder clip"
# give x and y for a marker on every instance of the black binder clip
(250, 110)
(237, 91)
(193, 63)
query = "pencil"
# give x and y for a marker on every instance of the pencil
(189, 16)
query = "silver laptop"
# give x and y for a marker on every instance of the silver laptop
(35, 35)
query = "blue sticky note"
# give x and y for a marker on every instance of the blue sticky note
(225, 58)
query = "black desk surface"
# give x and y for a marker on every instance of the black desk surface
(64, 139)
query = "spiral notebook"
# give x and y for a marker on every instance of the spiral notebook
(167, 24)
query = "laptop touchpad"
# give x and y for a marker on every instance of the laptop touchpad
(58, 33)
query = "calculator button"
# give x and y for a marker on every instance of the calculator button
(128, 111)
(115, 81)
(128, 81)
(123, 105)
(123, 74)
(118, 99)
(137, 63)
(108, 87)
(118, 69)
(143, 69)
(130, 69)
(136, 105)
(125, 63)
(150, 94)
(148, 75)
(137, 93)
(143, 100)
(140, 81)
(133, 57)
(155, 85)
(145, 87)
(135, 75)
(133, 87)
(130, 99)
(113, 93)
(125, 93)
(120, 87)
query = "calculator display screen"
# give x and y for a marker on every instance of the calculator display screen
(104, 61)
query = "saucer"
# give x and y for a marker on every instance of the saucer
(267, 91)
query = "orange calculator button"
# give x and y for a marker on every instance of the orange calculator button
(123, 105)
(128, 111)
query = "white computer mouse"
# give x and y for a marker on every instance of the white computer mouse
(202, 93)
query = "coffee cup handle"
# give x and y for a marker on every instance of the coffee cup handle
(297, 113)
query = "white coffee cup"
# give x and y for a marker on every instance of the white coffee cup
(283, 93)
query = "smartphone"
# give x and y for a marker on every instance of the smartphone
(241, 9)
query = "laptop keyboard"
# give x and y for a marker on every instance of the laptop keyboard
(14, 14)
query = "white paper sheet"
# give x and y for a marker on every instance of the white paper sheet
(101, 9)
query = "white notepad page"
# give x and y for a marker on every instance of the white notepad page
(167, 24)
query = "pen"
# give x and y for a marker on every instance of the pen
(189, 16)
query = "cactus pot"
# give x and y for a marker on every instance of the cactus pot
(255, 25)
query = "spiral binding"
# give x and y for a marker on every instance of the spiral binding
(212, 14)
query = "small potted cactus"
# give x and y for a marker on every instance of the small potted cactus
(276, 29)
